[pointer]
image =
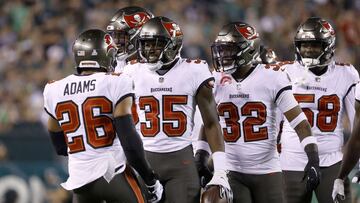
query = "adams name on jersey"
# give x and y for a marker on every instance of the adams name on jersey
(83, 105)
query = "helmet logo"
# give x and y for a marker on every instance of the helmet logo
(136, 20)
(109, 42)
(247, 32)
(172, 28)
(328, 27)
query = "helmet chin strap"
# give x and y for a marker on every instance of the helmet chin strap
(310, 62)
(155, 66)
(229, 69)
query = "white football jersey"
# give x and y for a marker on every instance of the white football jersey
(325, 100)
(83, 105)
(249, 117)
(120, 64)
(357, 92)
(166, 103)
(197, 127)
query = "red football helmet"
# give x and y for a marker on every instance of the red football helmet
(216, 194)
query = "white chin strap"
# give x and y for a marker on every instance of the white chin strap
(229, 69)
(310, 62)
(155, 66)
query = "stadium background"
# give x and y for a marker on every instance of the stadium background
(35, 46)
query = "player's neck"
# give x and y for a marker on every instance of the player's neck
(166, 68)
(242, 72)
(319, 70)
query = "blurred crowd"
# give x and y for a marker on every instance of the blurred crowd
(36, 37)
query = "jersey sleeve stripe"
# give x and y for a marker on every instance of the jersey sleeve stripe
(49, 113)
(204, 83)
(281, 91)
(351, 86)
(124, 97)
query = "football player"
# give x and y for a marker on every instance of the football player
(123, 28)
(90, 122)
(351, 155)
(249, 96)
(167, 89)
(202, 150)
(325, 91)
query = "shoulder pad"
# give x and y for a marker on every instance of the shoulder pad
(51, 81)
(342, 64)
(132, 62)
(278, 66)
(113, 73)
(197, 61)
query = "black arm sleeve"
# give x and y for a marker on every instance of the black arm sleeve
(58, 141)
(133, 147)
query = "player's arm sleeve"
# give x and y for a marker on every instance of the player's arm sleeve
(349, 103)
(131, 142)
(351, 95)
(59, 142)
(283, 94)
(202, 76)
(122, 88)
(48, 105)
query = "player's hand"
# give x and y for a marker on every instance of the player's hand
(356, 178)
(220, 178)
(201, 161)
(155, 192)
(338, 192)
(312, 175)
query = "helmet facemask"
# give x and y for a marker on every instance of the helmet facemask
(152, 51)
(122, 41)
(227, 57)
(224, 56)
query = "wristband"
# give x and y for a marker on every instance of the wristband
(308, 140)
(297, 120)
(220, 161)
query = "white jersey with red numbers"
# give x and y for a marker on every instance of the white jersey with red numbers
(248, 113)
(325, 100)
(83, 105)
(166, 103)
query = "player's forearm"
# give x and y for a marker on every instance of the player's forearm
(133, 147)
(307, 141)
(59, 143)
(303, 130)
(214, 137)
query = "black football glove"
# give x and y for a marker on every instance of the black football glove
(201, 161)
(312, 173)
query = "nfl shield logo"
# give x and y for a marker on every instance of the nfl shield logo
(161, 79)
(238, 86)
